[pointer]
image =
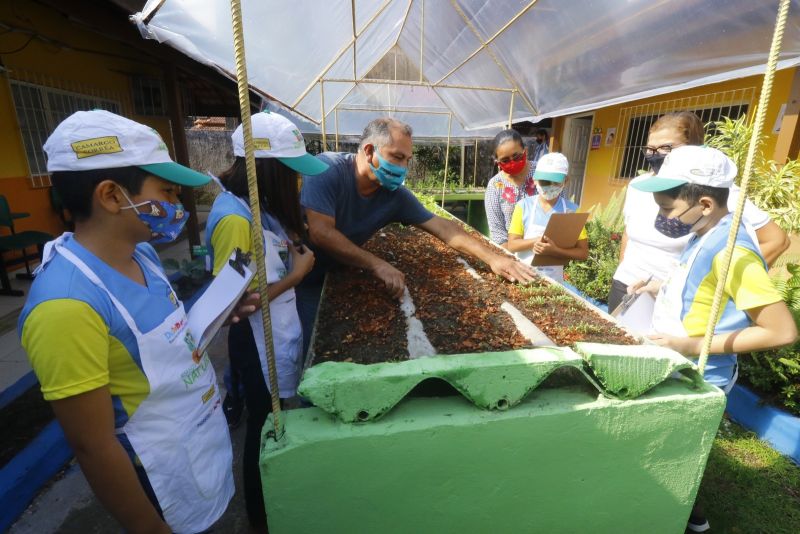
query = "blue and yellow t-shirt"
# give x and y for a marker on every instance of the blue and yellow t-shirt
(526, 209)
(75, 338)
(748, 285)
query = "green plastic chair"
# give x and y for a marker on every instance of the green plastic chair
(17, 241)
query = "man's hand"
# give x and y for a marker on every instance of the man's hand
(246, 307)
(511, 269)
(394, 280)
(688, 346)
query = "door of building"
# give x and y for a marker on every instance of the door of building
(577, 137)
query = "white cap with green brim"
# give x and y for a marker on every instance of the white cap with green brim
(98, 139)
(275, 136)
(552, 167)
(700, 165)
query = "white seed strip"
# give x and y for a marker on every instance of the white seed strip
(526, 327)
(418, 344)
(472, 272)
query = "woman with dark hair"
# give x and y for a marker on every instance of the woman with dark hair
(280, 159)
(646, 252)
(510, 185)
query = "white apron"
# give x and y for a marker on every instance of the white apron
(532, 231)
(178, 432)
(669, 303)
(287, 334)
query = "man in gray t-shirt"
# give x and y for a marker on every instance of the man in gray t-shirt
(357, 196)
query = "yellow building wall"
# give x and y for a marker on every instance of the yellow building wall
(598, 186)
(72, 59)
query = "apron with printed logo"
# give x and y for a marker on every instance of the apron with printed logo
(667, 311)
(533, 230)
(178, 432)
(287, 334)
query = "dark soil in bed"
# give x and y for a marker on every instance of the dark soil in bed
(358, 322)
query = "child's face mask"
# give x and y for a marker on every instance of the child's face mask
(674, 227)
(164, 219)
(550, 192)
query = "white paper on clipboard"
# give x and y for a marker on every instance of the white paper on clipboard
(218, 301)
(638, 317)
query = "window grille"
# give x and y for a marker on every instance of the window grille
(634, 124)
(149, 98)
(39, 110)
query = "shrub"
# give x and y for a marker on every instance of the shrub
(593, 276)
(773, 186)
(776, 373)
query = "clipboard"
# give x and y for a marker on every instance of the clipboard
(563, 229)
(218, 301)
(637, 313)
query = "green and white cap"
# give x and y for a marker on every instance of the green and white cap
(691, 165)
(99, 139)
(552, 167)
(275, 136)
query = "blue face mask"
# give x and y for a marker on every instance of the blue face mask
(674, 227)
(389, 175)
(164, 219)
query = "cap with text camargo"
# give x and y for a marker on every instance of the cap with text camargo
(99, 139)
(700, 165)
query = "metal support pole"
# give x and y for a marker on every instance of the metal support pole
(255, 209)
(421, 40)
(461, 168)
(446, 156)
(322, 106)
(475, 165)
(336, 122)
(511, 110)
(355, 36)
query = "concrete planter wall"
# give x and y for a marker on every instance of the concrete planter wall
(571, 459)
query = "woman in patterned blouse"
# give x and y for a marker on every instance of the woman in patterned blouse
(511, 184)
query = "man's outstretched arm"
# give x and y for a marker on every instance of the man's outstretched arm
(324, 235)
(454, 236)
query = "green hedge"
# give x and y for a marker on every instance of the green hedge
(775, 374)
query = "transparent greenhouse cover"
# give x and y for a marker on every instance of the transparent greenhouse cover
(556, 57)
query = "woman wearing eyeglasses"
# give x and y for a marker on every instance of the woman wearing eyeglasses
(646, 252)
(512, 184)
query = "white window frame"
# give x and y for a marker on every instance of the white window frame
(41, 118)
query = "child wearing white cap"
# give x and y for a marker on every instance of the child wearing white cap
(691, 190)
(529, 220)
(280, 160)
(107, 336)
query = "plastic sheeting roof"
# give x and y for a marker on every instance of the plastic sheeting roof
(556, 57)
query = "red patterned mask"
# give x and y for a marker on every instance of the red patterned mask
(514, 166)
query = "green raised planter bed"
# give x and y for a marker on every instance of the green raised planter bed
(567, 459)
(456, 411)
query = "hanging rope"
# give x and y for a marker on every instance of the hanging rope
(758, 125)
(255, 208)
